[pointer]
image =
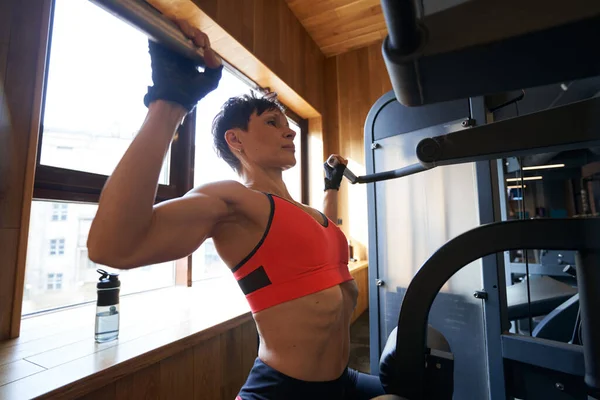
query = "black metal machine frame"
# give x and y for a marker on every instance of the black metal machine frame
(559, 234)
(513, 63)
(573, 126)
(420, 76)
(419, 80)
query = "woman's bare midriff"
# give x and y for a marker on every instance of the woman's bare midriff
(309, 338)
(306, 338)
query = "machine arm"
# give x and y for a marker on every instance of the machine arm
(572, 126)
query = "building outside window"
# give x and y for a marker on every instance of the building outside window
(54, 281)
(59, 212)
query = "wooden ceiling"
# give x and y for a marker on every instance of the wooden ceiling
(338, 26)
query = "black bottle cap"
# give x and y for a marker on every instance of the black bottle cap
(108, 280)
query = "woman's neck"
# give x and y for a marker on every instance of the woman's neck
(268, 183)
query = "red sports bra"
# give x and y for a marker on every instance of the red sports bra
(296, 256)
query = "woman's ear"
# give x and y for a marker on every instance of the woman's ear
(232, 137)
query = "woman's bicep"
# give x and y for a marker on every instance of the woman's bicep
(178, 228)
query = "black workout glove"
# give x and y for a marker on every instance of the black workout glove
(333, 176)
(177, 79)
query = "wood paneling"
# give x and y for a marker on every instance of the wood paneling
(19, 84)
(338, 26)
(30, 165)
(143, 384)
(177, 375)
(21, 45)
(265, 41)
(354, 81)
(231, 371)
(207, 381)
(108, 392)
(360, 273)
(249, 347)
(9, 241)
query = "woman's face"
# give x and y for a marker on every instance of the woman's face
(269, 141)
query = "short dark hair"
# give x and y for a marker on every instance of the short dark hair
(236, 113)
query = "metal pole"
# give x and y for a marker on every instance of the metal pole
(588, 283)
(155, 25)
(401, 20)
(382, 176)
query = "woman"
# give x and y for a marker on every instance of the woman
(289, 259)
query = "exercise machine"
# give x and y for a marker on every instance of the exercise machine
(527, 367)
(535, 367)
(441, 63)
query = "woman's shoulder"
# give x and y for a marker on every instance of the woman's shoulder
(235, 194)
(222, 188)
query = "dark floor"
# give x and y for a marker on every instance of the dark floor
(359, 344)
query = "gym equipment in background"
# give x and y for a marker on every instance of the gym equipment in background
(441, 74)
(472, 325)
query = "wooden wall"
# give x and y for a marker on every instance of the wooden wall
(265, 41)
(22, 26)
(354, 81)
(215, 369)
(211, 364)
(361, 277)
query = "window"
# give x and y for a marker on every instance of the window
(98, 73)
(98, 70)
(53, 247)
(210, 253)
(57, 247)
(59, 212)
(46, 277)
(54, 281)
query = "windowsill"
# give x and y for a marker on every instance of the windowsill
(56, 351)
(356, 266)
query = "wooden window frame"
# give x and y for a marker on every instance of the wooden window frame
(303, 124)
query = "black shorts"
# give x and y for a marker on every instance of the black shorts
(266, 383)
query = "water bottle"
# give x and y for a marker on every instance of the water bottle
(107, 307)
